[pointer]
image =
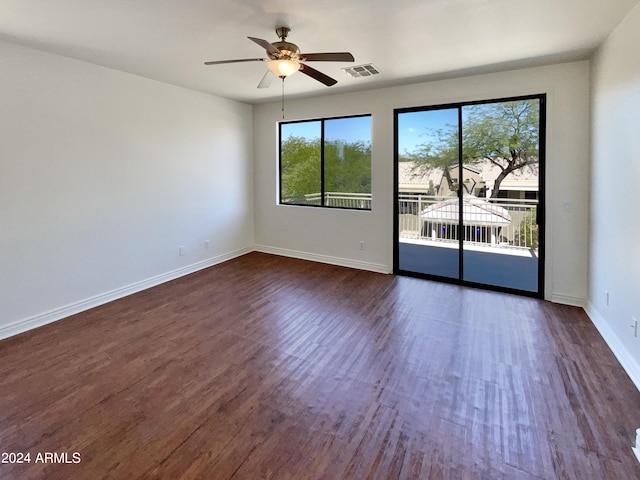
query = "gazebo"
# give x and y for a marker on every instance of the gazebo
(482, 220)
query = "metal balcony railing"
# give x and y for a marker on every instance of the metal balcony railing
(503, 223)
(499, 223)
(360, 201)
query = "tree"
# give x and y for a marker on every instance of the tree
(347, 166)
(507, 134)
(300, 166)
(441, 152)
(527, 233)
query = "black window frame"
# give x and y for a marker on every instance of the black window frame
(541, 200)
(322, 164)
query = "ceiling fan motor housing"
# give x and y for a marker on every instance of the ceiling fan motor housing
(288, 51)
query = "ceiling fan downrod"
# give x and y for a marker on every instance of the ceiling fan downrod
(283, 33)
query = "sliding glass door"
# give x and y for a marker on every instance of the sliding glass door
(469, 193)
(421, 175)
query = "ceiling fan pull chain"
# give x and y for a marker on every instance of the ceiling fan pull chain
(283, 98)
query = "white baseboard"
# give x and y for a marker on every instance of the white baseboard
(568, 300)
(71, 309)
(630, 365)
(59, 313)
(314, 257)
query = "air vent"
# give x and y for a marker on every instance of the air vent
(362, 70)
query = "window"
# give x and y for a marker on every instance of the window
(326, 162)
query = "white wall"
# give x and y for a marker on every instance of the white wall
(102, 176)
(334, 235)
(614, 254)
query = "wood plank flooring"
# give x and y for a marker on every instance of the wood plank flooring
(266, 367)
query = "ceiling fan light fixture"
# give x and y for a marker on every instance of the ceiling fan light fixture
(283, 68)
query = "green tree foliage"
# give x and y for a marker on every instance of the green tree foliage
(507, 134)
(528, 230)
(300, 166)
(441, 152)
(347, 166)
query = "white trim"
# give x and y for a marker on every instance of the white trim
(314, 257)
(59, 313)
(629, 364)
(568, 300)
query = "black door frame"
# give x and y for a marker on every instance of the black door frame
(541, 209)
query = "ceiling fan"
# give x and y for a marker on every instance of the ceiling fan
(284, 58)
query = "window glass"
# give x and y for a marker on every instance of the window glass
(300, 167)
(326, 162)
(347, 155)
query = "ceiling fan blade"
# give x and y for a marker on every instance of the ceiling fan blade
(319, 76)
(266, 45)
(219, 62)
(266, 80)
(328, 57)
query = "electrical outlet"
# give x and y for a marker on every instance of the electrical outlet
(361, 245)
(181, 250)
(206, 244)
(634, 325)
(606, 297)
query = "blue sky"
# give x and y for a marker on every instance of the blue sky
(349, 129)
(413, 127)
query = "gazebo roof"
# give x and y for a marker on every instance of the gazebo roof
(474, 212)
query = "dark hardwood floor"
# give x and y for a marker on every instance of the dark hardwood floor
(269, 367)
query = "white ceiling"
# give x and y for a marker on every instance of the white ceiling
(168, 40)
